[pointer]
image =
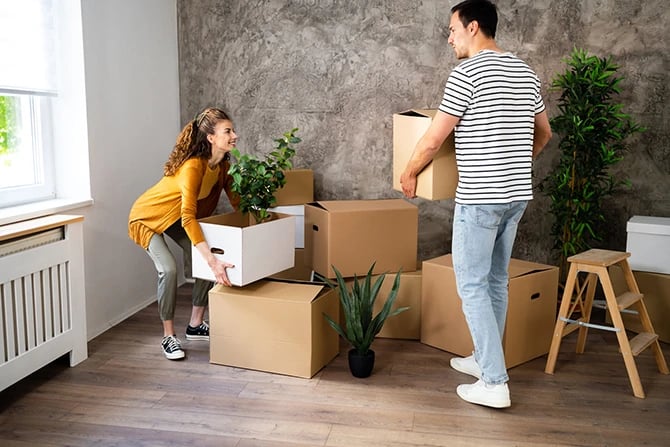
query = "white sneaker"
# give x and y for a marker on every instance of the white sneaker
(466, 365)
(495, 396)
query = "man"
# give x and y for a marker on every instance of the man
(492, 103)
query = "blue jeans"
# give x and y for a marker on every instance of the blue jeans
(482, 240)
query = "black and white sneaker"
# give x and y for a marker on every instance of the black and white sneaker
(201, 332)
(172, 347)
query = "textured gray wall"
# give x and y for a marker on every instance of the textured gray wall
(339, 69)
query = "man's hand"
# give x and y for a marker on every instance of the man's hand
(408, 183)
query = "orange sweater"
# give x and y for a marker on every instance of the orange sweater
(192, 192)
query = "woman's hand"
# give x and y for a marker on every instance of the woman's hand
(219, 270)
(218, 267)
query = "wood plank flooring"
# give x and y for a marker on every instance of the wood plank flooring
(128, 394)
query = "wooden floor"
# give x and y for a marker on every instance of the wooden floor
(128, 394)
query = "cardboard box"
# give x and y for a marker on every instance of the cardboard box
(299, 212)
(439, 178)
(406, 325)
(256, 250)
(531, 314)
(352, 234)
(273, 326)
(648, 242)
(301, 271)
(299, 188)
(656, 290)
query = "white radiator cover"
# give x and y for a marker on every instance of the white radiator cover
(42, 295)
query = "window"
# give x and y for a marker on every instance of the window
(27, 37)
(42, 106)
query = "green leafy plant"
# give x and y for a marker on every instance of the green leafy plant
(256, 180)
(593, 129)
(361, 326)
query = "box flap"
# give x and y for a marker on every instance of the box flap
(363, 205)
(291, 291)
(649, 224)
(518, 267)
(428, 113)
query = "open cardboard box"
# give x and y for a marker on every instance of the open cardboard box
(531, 313)
(274, 326)
(439, 179)
(256, 250)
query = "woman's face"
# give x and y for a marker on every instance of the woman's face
(223, 140)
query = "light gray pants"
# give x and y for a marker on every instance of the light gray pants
(166, 266)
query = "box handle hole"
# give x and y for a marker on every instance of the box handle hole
(535, 296)
(216, 250)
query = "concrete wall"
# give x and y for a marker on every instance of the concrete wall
(339, 69)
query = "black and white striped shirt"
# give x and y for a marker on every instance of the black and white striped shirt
(496, 96)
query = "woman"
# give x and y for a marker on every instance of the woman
(194, 176)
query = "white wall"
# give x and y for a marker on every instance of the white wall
(131, 60)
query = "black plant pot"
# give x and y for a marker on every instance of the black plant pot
(361, 365)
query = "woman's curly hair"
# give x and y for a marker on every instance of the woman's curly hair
(192, 140)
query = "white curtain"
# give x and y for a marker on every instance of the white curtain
(28, 47)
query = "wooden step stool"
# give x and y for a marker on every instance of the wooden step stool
(578, 298)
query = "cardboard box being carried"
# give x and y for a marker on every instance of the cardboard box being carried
(256, 250)
(531, 313)
(352, 234)
(656, 290)
(648, 242)
(298, 190)
(273, 326)
(439, 178)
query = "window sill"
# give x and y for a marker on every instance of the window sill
(32, 210)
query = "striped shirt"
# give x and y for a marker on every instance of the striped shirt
(496, 96)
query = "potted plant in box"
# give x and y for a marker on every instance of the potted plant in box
(361, 326)
(256, 180)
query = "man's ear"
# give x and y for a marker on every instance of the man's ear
(473, 27)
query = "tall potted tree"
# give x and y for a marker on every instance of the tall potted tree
(593, 129)
(360, 325)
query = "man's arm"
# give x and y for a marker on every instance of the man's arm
(440, 128)
(542, 133)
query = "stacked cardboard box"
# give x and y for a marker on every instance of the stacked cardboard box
(648, 242)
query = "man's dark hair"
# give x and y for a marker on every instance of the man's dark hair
(483, 11)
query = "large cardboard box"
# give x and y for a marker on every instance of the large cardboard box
(648, 242)
(299, 212)
(656, 290)
(531, 313)
(256, 250)
(273, 326)
(352, 234)
(439, 178)
(298, 190)
(406, 325)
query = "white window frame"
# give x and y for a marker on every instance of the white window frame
(37, 116)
